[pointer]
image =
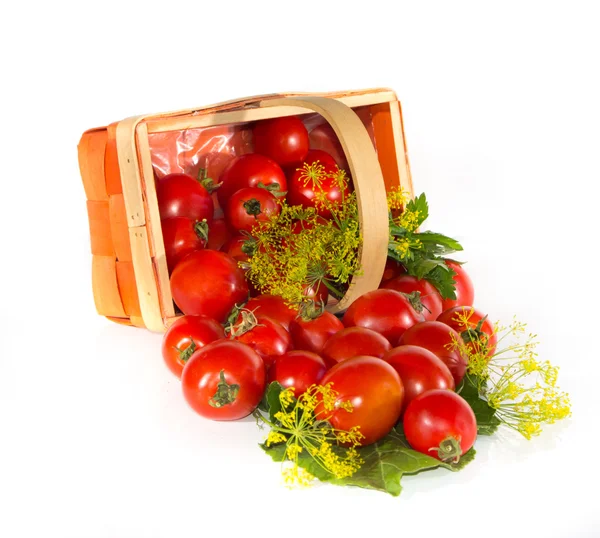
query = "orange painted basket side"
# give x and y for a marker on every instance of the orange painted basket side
(129, 276)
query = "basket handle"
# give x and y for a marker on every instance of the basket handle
(368, 184)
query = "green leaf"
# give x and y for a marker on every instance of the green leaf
(442, 278)
(419, 204)
(385, 462)
(487, 421)
(270, 403)
(442, 242)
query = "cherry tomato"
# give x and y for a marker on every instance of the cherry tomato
(440, 339)
(323, 137)
(247, 207)
(354, 341)
(180, 195)
(267, 337)
(208, 282)
(387, 312)
(218, 234)
(182, 236)
(311, 334)
(250, 170)
(235, 248)
(392, 270)
(274, 307)
(420, 370)
(429, 296)
(375, 391)
(441, 424)
(465, 294)
(186, 335)
(285, 140)
(478, 333)
(298, 369)
(319, 178)
(224, 380)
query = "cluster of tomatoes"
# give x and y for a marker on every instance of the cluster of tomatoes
(205, 223)
(391, 359)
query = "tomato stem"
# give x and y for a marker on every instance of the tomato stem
(448, 450)
(185, 354)
(201, 229)
(252, 207)
(209, 184)
(226, 393)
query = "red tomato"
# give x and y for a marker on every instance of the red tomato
(306, 183)
(267, 337)
(387, 312)
(180, 195)
(441, 424)
(298, 369)
(477, 332)
(224, 380)
(218, 234)
(186, 335)
(438, 338)
(182, 236)
(321, 157)
(354, 341)
(375, 391)
(208, 282)
(311, 334)
(430, 298)
(235, 248)
(420, 370)
(274, 307)
(318, 292)
(250, 170)
(323, 137)
(247, 207)
(285, 140)
(392, 270)
(465, 294)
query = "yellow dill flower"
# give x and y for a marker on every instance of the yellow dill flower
(313, 173)
(409, 220)
(297, 476)
(397, 198)
(301, 425)
(515, 383)
(275, 437)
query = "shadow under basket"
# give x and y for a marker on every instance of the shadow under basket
(119, 165)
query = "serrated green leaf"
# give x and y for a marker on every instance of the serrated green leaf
(270, 403)
(487, 421)
(443, 242)
(419, 204)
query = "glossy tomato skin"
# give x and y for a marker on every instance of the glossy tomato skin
(311, 335)
(208, 282)
(234, 248)
(387, 312)
(269, 339)
(457, 316)
(240, 364)
(186, 331)
(274, 307)
(180, 237)
(180, 195)
(392, 270)
(285, 140)
(248, 207)
(303, 191)
(438, 338)
(430, 298)
(434, 416)
(375, 390)
(298, 369)
(465, 293)
(352, 342)
(420, 371)
(249, 170)
(218, 234)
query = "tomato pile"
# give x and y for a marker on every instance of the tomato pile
(389, 369)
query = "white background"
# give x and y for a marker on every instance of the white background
(502, 119)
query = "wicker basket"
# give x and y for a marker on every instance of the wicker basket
(129, 270)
